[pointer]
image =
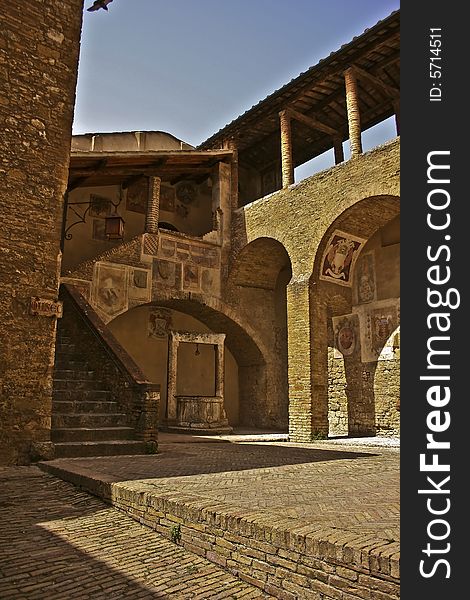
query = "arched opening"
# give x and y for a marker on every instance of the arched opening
(356, 289)
(144, 331)
(257, 287)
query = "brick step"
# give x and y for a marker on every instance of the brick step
(90, 419)
(84, 406)
(78, 384)
(110, 448)
(65, 348)
(60, 373)
(66, 363)
(95, 434)
(63, 338)
(82, 395)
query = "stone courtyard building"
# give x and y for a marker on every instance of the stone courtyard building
(147, 284)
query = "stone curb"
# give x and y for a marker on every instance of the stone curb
(283, 559)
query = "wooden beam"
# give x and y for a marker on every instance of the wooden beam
(396, 108)
(121, 171)
(131, 180)
(376, 82)
(81, 178)
(311, 122)
(338, 148)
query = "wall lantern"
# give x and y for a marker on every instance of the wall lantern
(114, 226)
(96, 206)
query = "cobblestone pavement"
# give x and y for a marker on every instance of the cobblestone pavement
(60, 543)
(350, 488)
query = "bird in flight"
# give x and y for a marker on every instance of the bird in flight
(97, 4)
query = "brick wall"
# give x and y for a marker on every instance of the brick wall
(359, 195)
(39, 46)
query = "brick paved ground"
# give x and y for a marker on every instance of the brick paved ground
(58, 543)
(355, 489)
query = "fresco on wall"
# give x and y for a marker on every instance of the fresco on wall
(209, 281)
(99, 206)
(347, 337)
(110, 288)
(191, 277)
(159, 323)
(364, 279)
(339, 258)
(137, 195)
(140, 285)
(186, 192)
(167, 198)
(99, 232)
(379, 322)
(164, 273)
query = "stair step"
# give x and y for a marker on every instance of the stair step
(78, 384)
(85, 374)
(88, 434)
(65, 347)
(110, 448)
(82, 395)
(66, 364)
(84, 406)
(90, 419)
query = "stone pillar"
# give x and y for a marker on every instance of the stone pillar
(221, 202)
(231, 144)
(354, 116)
(171, 378)
(339, 154)
(286, 149)
(153, 205)
(148, 422)
(219, 369)
(396, 108)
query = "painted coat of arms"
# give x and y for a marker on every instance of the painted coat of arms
(339, 257)
(346, 331)
(380, 326)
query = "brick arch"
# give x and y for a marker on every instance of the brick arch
(243, 342)
(259, 263)
(298, 216)
(361, 219)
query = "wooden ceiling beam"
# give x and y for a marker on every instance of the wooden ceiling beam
(81, 179)
(313, 123)
(376, 82)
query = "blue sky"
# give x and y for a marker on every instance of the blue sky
(189, 67)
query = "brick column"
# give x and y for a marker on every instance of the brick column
(354, 116)
(339, 154)
(153, 205)
(308, 365)
(286, 150)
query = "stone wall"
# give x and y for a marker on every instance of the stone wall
(39, 46)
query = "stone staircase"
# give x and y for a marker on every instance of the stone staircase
(85, 419)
